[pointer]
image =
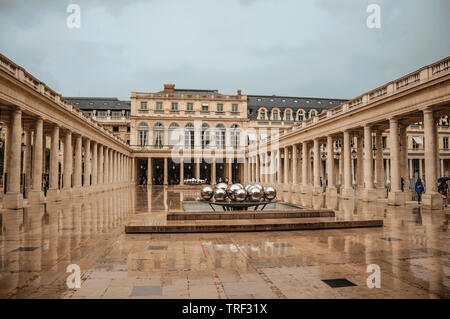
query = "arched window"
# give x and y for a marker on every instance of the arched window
(158, 135)
(288, 116)
(142, 134)
(262, 115)
(174, 134)
(275, 115)
(189, 135)
(301, 116)
(312, 113)
(235, 134)
(205, 135)
(220, 136)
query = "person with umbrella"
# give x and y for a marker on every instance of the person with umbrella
(443, 189)
(419, 189)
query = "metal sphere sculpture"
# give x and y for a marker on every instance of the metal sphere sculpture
(207, 193)
(240, 195)
(222, 186)
(248, 186)
(220, 194)
(259, 186)
(255, 194)
(270, 193)
(231, 191)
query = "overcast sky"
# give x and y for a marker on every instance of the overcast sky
(314, 48)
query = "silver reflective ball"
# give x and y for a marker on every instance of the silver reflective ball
(240, 185)
(222, 186)
(220, 194)
(248, 186)
(259, 186)
(231, 191)
(240, 195)
(207, 193)
(270, 193)
(255, 194)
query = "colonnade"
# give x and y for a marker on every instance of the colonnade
(87, 165)
(351, 163)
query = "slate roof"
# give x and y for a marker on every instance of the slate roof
(254, 102)
(193, 91)
(99, 103)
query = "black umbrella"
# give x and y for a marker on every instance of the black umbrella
(443, 179)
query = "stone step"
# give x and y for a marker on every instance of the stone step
(250, 214)
(247, 225)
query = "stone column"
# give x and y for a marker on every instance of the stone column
(197, 168)
(181, 170)
(396, 197)
(166, 175)
(94, 163)
(369, 191)
(273, 168)
(258, 169)
(149, 171)
(359, 162)
(420, 168)
(245, 167)
(404, 161)
(304, 167)
(53, 190)
(68, 159)
(316, 167)
(77, 171)
(87, 163)
(431, 199)
(379, 171)
(294, 165)
(230, 172)
(279, 170)
(347, 191)
(286, 166)
(100, 164)
(331, 189)
(106, 167)
(213, 172)
(36, 194)
(27, 164)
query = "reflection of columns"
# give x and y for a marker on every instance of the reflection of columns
(305, 164)
(347, 190)
(330, 165)
(94, 163)
(181, 170)
(379, 163)
(369, 191)
(166, 177)
(37, 161)
(68, 159)
(53, 181)
(286, 166)
(294, 164)
(431, 198)
(395, 196)
(316, 165)
(78, 163)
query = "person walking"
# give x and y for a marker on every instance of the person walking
(419, 190)
(402, 183)
(443, 189)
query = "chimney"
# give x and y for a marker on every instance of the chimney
(239, 92)
(169, 88)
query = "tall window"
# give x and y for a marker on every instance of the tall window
(174, 134)
(220, 136)
(234, 108)
(159, 106)
(143, 105)
(445, 143)
(235, 134)
(312, 113)
(219, 107)
(190, 106)
(275, 116)
(189, 135)
(415, 145)
(205, 107)
(205, 135)
(174, 106)
(301, 116)
(142, 134)
(158, 135)
(288, 115)
(262, 115)
(384, 141)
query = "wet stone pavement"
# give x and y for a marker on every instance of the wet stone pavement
(38, 243)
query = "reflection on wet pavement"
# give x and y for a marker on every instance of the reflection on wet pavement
(38, 243)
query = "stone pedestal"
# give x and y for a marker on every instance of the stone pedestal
(347, 193)
(381, 192)
(369, 195)
(13, 201)
(432, 200)
(331, 191)
(396, 198)
(35, 197)
(53, 195)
